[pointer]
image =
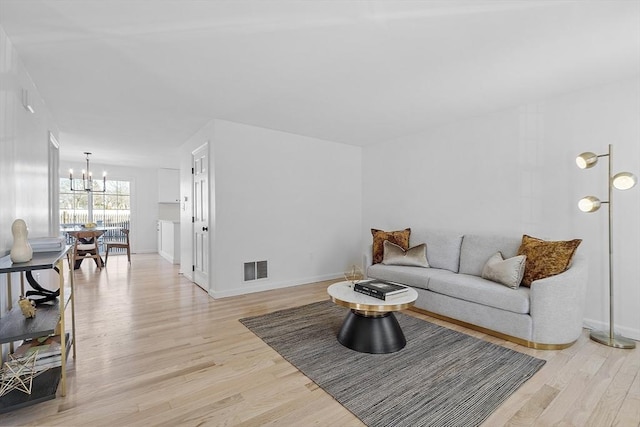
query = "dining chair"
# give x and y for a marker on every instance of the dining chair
(86, 246)
(119, 245)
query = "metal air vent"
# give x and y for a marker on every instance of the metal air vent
(255, 270)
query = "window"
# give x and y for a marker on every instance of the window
(73, 205)
(113, 207)
(109, 209)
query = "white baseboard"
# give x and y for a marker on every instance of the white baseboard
(626, 332)
(169, 257)
(267, 285)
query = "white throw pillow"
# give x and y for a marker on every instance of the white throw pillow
(507, 272)
(412, 257)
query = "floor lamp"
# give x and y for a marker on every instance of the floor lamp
(621, 181)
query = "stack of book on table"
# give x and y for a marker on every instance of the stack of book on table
(379, 288)
(47, 244)
(49, 352)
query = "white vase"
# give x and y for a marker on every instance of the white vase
(21, 250)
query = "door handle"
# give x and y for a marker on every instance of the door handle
(205, 228)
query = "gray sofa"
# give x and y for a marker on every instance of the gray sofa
(548, 315)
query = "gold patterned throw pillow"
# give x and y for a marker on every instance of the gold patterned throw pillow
(545, 258)
(400, 238)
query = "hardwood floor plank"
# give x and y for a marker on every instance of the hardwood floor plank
(535, 406)
(571, 381)
(155, 349)
(593, 385)
(608, 408)
(630, 409)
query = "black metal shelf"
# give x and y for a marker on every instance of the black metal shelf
(15, 327)
(49, 316)
(43, 388)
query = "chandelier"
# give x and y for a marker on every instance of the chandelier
(87, 179)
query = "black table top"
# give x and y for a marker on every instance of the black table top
(40, 261)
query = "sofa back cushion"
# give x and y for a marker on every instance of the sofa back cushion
(443, 247)
(477, 249)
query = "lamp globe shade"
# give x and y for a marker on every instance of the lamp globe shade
(589, 204)
(624, 180)
(586, 160)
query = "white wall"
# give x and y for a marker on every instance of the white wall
(144, 198)
(514, 172)
(291, 200)
(24, 139)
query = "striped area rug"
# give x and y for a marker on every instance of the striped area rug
(441, 378)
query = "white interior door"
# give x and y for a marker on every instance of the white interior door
(201, 216)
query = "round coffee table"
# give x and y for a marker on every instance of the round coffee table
(370, 326)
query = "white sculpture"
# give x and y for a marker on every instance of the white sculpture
(21, 250)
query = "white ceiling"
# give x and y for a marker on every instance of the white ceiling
(130, 80)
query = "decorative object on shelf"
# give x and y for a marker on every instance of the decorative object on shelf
(28, 307)
(87, 179)
(17, 374)
(40, 295)
(621, 181)
(21, 250)
(354, 274)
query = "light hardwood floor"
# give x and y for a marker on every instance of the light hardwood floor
(154, 349)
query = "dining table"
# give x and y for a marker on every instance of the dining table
(72, 234)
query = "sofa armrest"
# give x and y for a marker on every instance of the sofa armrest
(557, 304)
(367, 258)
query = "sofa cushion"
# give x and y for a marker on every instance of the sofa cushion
(400, 238)
(507, 272)
(443, 247)
(503, 321)
(412, 257)
(546, 258)
(417, 277)
(477, 249)
(476, 289)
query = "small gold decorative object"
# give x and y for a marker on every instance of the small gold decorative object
(28, 307)
(354, 274)
(90, 225)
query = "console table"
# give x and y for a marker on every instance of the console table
(49, 320)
